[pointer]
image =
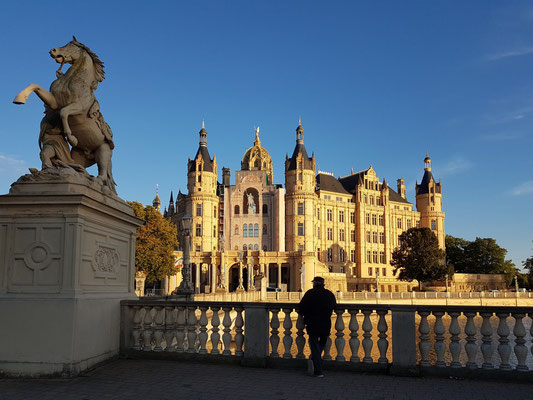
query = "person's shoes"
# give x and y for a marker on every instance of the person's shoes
(318, 375)
(310, 367)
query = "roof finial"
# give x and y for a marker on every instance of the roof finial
(203, 124)
(257, 142)
(300, 120)
(157, 188)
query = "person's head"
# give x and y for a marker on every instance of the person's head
(318, 282)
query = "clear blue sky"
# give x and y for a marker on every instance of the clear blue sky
(375, 83)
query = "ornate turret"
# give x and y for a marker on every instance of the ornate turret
(429, 202)
(157, 201)
(171, 209)
(257, 158)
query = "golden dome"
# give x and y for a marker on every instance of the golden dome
(257, 158)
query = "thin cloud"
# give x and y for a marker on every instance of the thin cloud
(455, 166)
(10, 165)
(524, 51)
(499, 137)
(523, 188)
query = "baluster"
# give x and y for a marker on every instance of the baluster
(520, 349)
(137, 328)
(455, 346)
(354, 341)
(274, 337)
(147, 325)
(239, 337)
(226, 336)
(383, 343)
(503, 348)
(424, 344)
(470, 346)
(300, 338)
(340, 342)
(531, 331)
(191, 329)
(287, 333)
(440, 347)
(327, 349)
(158, 328)
(215, 336)
(487, 349)
(180, 330)
(202, 336)
(367, 334)
(169, 327)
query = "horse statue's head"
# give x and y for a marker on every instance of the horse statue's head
(74, 51)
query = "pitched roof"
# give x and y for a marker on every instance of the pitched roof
(329, 183)
(350, 182)
(394, 196)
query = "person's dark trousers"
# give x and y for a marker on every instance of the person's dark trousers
(317, 344)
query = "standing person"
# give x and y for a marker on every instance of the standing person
(316, 307)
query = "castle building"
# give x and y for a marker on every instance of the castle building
(344, 229)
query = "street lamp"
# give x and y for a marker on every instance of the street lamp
(185, 287)
(240, 288)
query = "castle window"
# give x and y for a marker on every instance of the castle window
(366, 199)
(300, 176)
(265, 209)
(215, 211)
(318, 231)
(367, 219)
(381, 220)
(264, 248)
(399, 223)
(264, 229)
(433, 224)
(381, 237)
(342, 270)
(250, 230)
(330, 268)
(244, 247)
(256, 230)
(368, 237)
(374, 219)
(352, 217)
(369, 257)
(256, 164)
(236, 210)
(198, 210)
(330, 233)
(300, 247)
(375, 257)
(245, 230)
(329, 215)
(214, 231)
(370, 271)
(250, 247)
(378, 201)
(330, 255)
(300, 229)
(341, 256)
(418, 224)
(300, 208)
(198, 229)
(352, 255)
(409, 224)
(352, 235)
(371, 200)
(318, 213)
(341, 216)
(374, 237)
(384, 272)
(341, 235)
(197, 247)
(256, 247)
(382, 257)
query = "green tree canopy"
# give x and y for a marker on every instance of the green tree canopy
(482, 256)
(419, 256)
(156, 241)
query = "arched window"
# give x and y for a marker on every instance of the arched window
(256, 247)
(245, 230)
(251, 230)
(237, 210)
(265, 209)
(250, 247)
(244, 247)
(256, 230)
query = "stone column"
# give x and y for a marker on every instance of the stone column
(197, 284)
(267, 274)
(240, 288)
(213, 278)
(251, 285)
(279, 275)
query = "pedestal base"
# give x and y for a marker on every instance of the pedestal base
(67, 255)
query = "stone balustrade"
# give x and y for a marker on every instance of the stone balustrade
(399, 339)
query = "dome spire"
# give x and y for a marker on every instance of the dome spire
(203, 135)
(427, 162)
(300, 132)
(257, 141)
(157, 201)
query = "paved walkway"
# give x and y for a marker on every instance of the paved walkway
(147, 379)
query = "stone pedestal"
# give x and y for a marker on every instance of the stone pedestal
(67, 255)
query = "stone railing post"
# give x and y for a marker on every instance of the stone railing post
(403, 342)
(256, 329)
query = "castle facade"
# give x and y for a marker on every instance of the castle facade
(343, 228)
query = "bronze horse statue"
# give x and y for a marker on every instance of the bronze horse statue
(72, 114)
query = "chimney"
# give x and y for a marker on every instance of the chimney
(226, 176)
(401, 187)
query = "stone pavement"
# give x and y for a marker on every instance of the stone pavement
(150, 379)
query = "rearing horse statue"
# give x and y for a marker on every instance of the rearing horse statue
(72, 114)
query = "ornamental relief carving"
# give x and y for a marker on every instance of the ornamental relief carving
(106, 262)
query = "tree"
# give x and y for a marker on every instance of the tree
(156, 241)
(482, 256)
(419, 257)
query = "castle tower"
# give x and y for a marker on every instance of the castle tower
(157, 201)
(300, 199)
(429, 203)
(202, 200)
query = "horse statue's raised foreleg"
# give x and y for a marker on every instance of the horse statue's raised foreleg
(47, 97)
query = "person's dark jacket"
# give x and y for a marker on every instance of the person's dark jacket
(316, 307)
